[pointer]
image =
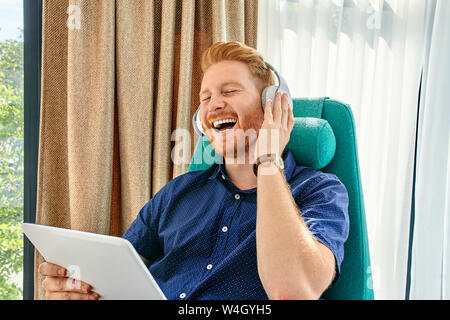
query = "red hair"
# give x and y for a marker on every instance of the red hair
(236, 51)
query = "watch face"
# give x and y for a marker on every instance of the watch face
(280, 162)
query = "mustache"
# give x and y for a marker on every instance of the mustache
(220, 115)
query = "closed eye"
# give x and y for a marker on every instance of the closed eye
(224, 92)
(230, 91)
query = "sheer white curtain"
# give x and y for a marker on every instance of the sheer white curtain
(430, 276)
(368, 54)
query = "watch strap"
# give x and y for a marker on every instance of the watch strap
(265, 158)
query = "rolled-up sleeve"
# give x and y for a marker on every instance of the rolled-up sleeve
(324, 208)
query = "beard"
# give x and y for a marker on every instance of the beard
(238, 145)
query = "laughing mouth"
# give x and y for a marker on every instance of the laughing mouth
(224, 124)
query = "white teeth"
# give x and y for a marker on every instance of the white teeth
(219, 122)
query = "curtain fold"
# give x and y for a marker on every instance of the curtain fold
(90, 118)
(367, 54)
(430, 250)
(135, 90)
(114, 89)
(184, 68)
(163, 116)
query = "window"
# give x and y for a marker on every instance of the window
(11, 148)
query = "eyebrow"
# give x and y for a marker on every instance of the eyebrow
(222, 85)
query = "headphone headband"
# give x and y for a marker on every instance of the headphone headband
(282, 86)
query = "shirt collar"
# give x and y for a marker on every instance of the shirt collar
(289, 166)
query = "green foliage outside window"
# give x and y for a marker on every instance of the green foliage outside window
(11, 166)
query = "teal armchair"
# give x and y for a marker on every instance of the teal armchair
(355, 278)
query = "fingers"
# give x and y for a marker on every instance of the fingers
(50, 295)
(281, 109)
(65, 284)
(52, 270)
(268, 110)
(277, 108)
(58, 286)
(285, 111)
(291, 120)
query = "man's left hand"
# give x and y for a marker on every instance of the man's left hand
(276, 129)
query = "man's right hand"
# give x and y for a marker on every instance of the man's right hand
(58, 286)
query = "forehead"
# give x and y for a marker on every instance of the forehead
(226, 72)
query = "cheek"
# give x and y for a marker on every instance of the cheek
(252, 120)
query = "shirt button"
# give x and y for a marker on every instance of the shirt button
(224, 229)
(223, 177)
(209, 266)
(237, 197)
(183, 295)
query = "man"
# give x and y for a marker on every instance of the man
(226, 233)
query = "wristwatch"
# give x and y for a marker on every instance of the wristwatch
(268, 158)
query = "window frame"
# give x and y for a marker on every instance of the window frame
(32, 20)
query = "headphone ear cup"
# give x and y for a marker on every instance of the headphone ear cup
(268, 93)
(197, 123)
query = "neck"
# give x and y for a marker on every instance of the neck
(241, 175)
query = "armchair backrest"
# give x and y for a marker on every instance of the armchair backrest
(355, 278)
(355, 282)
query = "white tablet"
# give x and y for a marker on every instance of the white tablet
(109, 264)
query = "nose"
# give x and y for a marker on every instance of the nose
(216, 102)
(213, 105)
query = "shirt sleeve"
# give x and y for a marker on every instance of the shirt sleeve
(143, 232)
(324, 208)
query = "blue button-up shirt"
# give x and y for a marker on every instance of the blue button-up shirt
(198, 231)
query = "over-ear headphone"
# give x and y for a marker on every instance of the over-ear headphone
(267, 93)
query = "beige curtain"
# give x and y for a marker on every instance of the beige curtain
(118, 77)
